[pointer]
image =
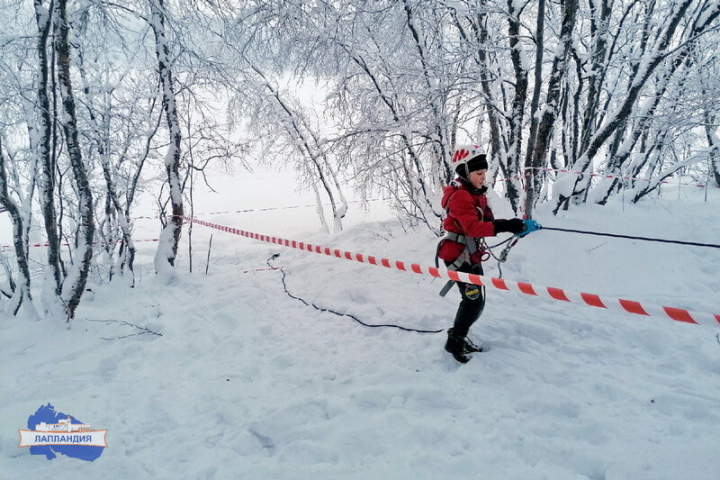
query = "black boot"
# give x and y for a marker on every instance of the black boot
(456, 346)
(470, 347)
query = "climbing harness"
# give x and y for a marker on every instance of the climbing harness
(476, 250)
(472, 245)
(487, 252)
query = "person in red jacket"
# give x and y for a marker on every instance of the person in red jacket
(469, 219)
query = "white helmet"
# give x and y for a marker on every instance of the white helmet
(464, 154)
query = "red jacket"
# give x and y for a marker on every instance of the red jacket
(468, 213)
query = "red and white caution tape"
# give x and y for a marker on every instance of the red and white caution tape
(250, 210)
(602, 175)
(553, 293)
(68, 245)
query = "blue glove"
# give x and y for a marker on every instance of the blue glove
(530, 226)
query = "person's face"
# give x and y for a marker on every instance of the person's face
(477, 178)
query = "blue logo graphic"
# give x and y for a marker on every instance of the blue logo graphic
(52, 432)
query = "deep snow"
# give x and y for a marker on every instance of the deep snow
(238, 380)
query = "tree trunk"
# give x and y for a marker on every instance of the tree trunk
(112, 204)
(552, 103)
(518, 105)
(170, 237)
(74, 284)
(714, 143)
(532, 173)
(19, 240)
(47, 183)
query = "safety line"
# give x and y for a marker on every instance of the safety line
(552, 293)
(349, 315)
(69, 245)
(632, 237)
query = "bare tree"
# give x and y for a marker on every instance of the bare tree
(315, 164)
(22, 289)
(170, 237)
(74, 284)
(539, 142)
(45, 152)
(655, 48)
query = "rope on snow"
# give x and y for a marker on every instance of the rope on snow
(329, 310)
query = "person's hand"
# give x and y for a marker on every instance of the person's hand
(514, 225)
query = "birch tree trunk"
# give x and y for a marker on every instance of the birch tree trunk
(714, 143)
(532, 175)
(101, 129)
(22, 288)
(170, 236)
(539, 147)
(517, 113)
(74, 284)
(47, 160)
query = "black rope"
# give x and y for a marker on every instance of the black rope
(327, 310)
(631, 237)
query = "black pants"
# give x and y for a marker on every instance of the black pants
(470, 309)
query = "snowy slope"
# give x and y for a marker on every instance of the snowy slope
(232, 378)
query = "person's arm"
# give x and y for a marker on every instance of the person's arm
(462, 208)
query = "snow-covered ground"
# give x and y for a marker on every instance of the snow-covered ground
(225, 376)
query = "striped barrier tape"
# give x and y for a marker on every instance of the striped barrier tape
(604, 175)
(68, 245)
(250, 210)
(553, 293)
